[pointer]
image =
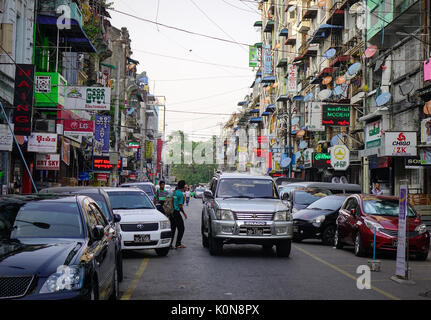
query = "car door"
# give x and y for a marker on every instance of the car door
(350, 222)
(343, 219)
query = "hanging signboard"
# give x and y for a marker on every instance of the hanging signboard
(267, 60)
(335, 115)
(321, 160)
(149, 150)
(42, 143)
(340, 157)
(426, 131)
(292, 76)
(253, 58)
(65, 151)
(6, 138)
(400, 144)
(101, 134)
(308, 154)
(88, 98)
(314, 117)
(23, 99)
(103, 163)
(47, 161)
(78, 127)
(373, 135)
(401, 267)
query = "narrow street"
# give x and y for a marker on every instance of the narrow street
(312, 271)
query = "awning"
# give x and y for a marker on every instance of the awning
(75, 36)
(270, 108)
(130, 60)
(299, 58)
(283, 97)
(256, 120)
(266, 113)
(257, 24)
(315, 80)
(317, 37)
(282, 63)
(258, 44)
(269, 26)
(255, 111)
(325, 71)
(284, 32)
(339, 59)
(242, 103)
(321, 33)
(268, 79)
(108, 65)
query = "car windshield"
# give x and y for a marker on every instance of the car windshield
(148, 189)
(40, 219)
(129, 200)
(247, 188)
(309, 195)
(327, 203)
(385, 207)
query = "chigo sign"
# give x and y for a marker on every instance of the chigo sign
(400, 144)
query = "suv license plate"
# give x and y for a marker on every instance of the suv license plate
(255, 231)
(142, 238)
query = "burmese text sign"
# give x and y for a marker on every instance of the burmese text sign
(6, 138)
(23, 98)
(88, 98)
(335, 115)
(42, 142)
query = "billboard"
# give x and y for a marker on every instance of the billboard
(88, 98)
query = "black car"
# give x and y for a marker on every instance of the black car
(318, 220)
(101, 197)
(300, 198)
(56, 247)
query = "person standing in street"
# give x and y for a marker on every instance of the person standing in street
(160, 196)
(187, 196)
(177, 221)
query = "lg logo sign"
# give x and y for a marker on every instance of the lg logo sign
(63, 21)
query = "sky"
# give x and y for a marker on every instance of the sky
(214, 86)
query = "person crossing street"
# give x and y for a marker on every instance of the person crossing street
(177, 221)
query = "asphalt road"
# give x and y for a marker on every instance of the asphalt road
(246, 272)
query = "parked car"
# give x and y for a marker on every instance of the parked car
(299, 198)
(142, 225)
(102, 199)
(318, 220)
(199, 192)
(56, 247)
(245, 209)
(335, 188)
(361, 214)
(147, 187)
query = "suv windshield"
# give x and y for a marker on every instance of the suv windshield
(247, 188)
(385, 207)
(328, 203)
(129, 200)
(309, 195)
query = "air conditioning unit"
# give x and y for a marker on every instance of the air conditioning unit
(45, 126)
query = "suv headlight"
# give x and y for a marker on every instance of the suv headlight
(222, 214)
(282, 216)
(371, 225)
(66, 278)
(318, 220)
(422, 228)
(165, 224)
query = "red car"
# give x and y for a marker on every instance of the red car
(360, 214)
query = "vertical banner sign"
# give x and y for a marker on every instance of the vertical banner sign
(65, 151)
(159, 155)
(292, 78)
(267, 63)
(101, 135)
(23, 99)
(252, 59)
(401, 267)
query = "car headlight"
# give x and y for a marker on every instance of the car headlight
(371, 225)
(222, 214)
(318, 220)
(165, 224)
(66, 278)
(282, 216)
(422, 228)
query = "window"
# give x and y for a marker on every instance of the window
(247, 188)
(327, 203)
(129, 200)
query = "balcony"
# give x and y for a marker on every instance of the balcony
(291, 40)
(304, 26)
(269, 27)
(49, 89)
(334, 41)
(309, 12)
(49, 8)
(336, 13)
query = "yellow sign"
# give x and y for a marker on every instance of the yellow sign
(242, 149)
(339, 153)
(149, 150)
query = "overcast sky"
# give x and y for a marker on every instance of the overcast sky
(213, 88)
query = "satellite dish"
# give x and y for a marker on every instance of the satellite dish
(298, 155)
(383, 99)
(343, 179)
(330, 53)
(324, 94)
(354, 69)
(335, 180)
(427, 107)
(406, 88)
(348, 76)
(285, 162)
(303, 145)
(338, 90)
(354, 8)
(321, 3)
(295, 121)
(327, 80)
(340, 80)
(370, 51)
(292, 8)
(309, 97)
(335, 140)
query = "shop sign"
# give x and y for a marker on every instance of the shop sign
(340, 157)
(78, 127)
(425, 155)
(65, 151)
(253, 58)
(308, 154)
(292, 75)
(415, 162)
(267, 65)
(47, 161)
(321, 160)
(124, 162)
(373, 134)
(84, 176)
(426, 131)
(335, 115)
(42, 142)
(149, 150)
(400, 144)
(379, 162)
(314, 119)
(6, 137)
(23, 99)
(101, 134)
(88, 98)
(103, 163)
(102, 177)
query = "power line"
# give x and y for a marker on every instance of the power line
(208, 97)
(203, 78)
(242, 9)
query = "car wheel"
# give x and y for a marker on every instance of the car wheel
(204, 238)
(422, 256)
(337, 243)
(328, 235)
(162, 252)
(120, 266)
(115, 287)
(359, 248)
(283, 248)
(267, 248)
(215, 245)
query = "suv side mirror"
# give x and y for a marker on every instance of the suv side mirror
(98, 232)
(285, 196)
(117, 218)
(208, 194)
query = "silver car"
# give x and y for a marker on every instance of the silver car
(245, 209)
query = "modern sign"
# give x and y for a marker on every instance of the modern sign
(321, 160)
(101, 134)
(65, 151)
(340, 157)
(79, 127)
(336, 115)
(400, 144)
(6, 138)
(292, 76)
(401, 267)
(314, 118)
(42, 143)
(84, 176)
(88, 98)
(47, 161)
(414, 162)
(23, 99)
(373, 135)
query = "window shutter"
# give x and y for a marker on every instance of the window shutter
(6, 37)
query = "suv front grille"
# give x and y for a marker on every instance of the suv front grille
(268, 216)
(139, 227)
(14, 287)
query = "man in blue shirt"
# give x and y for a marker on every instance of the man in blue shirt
(177, 221)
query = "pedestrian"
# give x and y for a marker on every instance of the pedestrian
(376, 190)
(177, 221)
(160, 196)
(187, 196)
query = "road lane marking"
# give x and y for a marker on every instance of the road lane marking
(386, 294)
(135, 281)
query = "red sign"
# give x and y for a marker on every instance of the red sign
(101, 176)
(159, 155)
(47, 161)
(103, 163)
(23, 99)
(78, 127)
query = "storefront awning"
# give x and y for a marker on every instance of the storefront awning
(256, 120)
(266, 113)
(270, 108)
(254, 111)
(268, 79)
(284, 32)
(321, 33)
(283, 98)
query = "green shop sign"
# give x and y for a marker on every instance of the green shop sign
(336, 115)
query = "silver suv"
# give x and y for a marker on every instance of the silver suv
(245, 209)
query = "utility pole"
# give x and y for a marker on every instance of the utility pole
(143, 120)
(117, 110)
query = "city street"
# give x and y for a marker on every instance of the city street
(312, 271)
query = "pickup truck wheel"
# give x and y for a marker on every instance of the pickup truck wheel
(283, 248)
(215, 246)
(162, 252)
(204, 237)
